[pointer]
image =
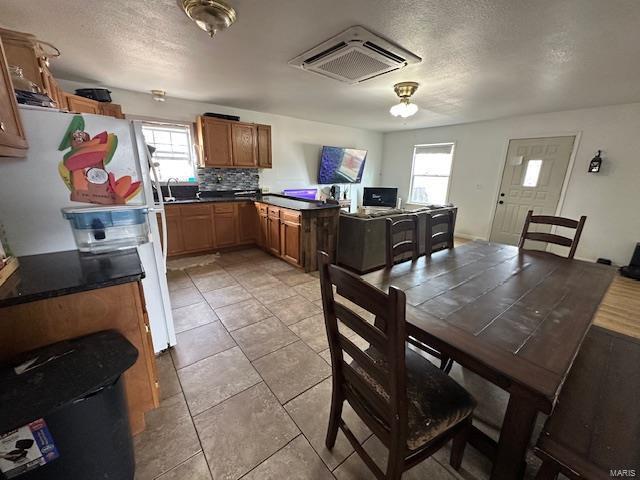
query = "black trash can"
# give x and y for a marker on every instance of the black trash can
(64, 412)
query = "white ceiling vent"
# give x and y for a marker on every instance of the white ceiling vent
(354, 56)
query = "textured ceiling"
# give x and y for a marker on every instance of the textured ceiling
(482, 59)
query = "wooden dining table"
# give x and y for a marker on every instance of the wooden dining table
(515, 317)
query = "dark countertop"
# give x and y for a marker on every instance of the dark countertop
(62, 273)
(272, 199)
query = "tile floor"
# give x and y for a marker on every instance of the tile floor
(246, 391)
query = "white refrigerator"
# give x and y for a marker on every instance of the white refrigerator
(32, 194)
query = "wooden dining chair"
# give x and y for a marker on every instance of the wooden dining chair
(572, 243)
(398, 249)
(439, 240)
(408, 403)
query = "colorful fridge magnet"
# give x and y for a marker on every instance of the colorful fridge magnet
(84, 167)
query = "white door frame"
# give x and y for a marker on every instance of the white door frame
(567, 175)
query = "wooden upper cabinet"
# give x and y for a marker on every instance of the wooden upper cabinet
(215, 142)
(264, 146)
(225, 143)
(244, 145)
(22, 50)
(78, 104)
(13, 142)
(111, 110)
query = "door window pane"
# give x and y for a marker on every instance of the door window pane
(532, 174)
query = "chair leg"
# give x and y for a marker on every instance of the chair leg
(334, 418)
(395, 465)
(446, 363)
(458, 445)
(548, 471)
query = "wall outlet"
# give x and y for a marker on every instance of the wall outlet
(266, 189)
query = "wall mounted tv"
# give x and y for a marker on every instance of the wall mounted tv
(341, 165)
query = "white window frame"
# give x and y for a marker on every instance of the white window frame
(192, 153)
(413, 165)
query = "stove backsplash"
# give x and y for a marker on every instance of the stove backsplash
(221, 179)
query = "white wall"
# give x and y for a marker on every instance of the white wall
(296, 143)
(610, 199)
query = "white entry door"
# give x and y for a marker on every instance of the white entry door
(534, 173)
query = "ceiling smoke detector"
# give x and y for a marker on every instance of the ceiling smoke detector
(158, 95)
(354, 56)
(210, 15)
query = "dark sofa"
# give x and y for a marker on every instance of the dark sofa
(361, 239)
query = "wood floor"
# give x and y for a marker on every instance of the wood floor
(620, 308)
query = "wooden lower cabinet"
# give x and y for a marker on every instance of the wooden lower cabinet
(175, 241)
(247, 223)
(263, 229)
(225, 227)
(31, 325)
(197, 232)
(273, 235)
(292, 235)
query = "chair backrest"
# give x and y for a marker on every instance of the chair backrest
(375, 383)
(572, 243)
(397, 248)
(444, 238)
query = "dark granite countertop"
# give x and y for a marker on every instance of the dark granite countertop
(61, 273)
(271, 199)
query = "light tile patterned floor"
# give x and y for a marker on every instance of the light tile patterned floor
(246, 392)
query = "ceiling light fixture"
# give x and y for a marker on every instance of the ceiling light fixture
(210, 15)
(405, 108)
(158, 95)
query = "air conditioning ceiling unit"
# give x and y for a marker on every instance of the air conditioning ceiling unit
(354, 56)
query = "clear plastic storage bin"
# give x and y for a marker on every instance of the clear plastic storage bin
(103, 229)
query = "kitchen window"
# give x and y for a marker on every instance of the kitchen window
(174, 151)
(430, 174)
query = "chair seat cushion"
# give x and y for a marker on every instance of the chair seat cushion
(435, 401)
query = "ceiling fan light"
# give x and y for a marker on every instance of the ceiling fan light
(210, 15)
(403, 109)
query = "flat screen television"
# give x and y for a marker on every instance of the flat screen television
(341, 165)
(380, 197)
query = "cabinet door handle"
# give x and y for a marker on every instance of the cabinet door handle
(2, 127)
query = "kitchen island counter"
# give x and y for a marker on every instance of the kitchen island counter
(63, 295)
(271, 199)
(61, 273)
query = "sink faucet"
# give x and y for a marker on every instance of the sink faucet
(170, 198)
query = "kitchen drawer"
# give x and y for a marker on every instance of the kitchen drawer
(274, 212)
(290, 216)
(194, 209)
(172, 210)
(223, 208)
(262, 208)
